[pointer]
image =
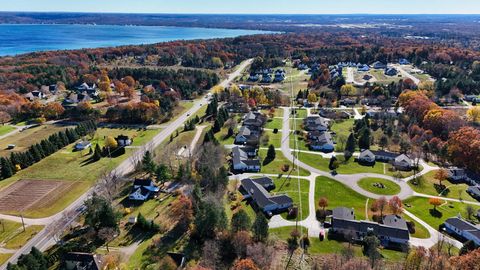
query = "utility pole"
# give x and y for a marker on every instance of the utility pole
(23, 223)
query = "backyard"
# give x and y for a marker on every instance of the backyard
(289, 186)
(275, 166)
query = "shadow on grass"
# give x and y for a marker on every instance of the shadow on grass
(435, 213)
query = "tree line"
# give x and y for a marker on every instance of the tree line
(18, 161)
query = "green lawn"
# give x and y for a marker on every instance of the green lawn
(290, 187)
(24, 139)
(343, 128)
(4, 257)
(222, 136)
(301, 113)
(302, 144)
(349, 167)
(273, 123)
(4, 129)
(274, 167)
(420, 231)
(20, 237)
(390, 188)
(421, 208)
(427, 184)
(338, 195)
(73, 166)
(8, 228)
(298, 126)
(275, 139)
(139, 257)
(331, 246)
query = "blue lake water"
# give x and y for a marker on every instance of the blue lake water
(25, 38)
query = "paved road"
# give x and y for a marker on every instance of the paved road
(43, 238)
(406, 74)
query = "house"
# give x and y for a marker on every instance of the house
(389, 114)
(384, 156)
(459, 175)
(469, 97)
(348, 102)
(403, 61)
(334, 114)
(246, 135)
(143, 189)
(393, 231)
(242, 162)
(463, 229)
(364, 68)
(251, 151)
(474, 191)
(82, 145)
(391, 71)
(403, 162)
(302, 66)
(123, 140)
(312, 123)
(254, 119)
(379, 65)
(80, 260)
(266, 78)
(253, 77)
(256, 192)
(85, 86)
(237, 105)
(322, 142)
(366, 157)
(35, 95)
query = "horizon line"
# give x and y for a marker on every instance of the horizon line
(228, 13)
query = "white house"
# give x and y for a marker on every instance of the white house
(366, 157)
(82, 145)
(403, 162)
(463, 228)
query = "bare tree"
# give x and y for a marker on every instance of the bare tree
(107, 235)
(211, 254)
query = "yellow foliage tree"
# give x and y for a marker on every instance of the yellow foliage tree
(473, 114)
(312, 98)
(235, 90)
(105, 82)
(110, 142)
(348, 90)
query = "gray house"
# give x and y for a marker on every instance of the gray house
(256, 191)
(315, 123)
(393, 231)
(241, 161)
(322, 142)
(80, 260)
(247, 135)
(463, 229)
(474, 191)
(366, 157)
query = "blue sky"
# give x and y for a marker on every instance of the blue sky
(250, 6)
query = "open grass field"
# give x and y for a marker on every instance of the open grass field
(301, 113)
(8, 228)
(379, 74)
(427, 184)
(24, 139)
(72, 167)
(296, 124)
(274, 167)
(4, 257)
(4, 129)
(338, 195)
(389, 187)
(421, 208)
(273, 123)
(20, 237)
(274, 139)
(343, 128)
(289, 186)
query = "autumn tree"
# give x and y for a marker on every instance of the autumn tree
(323, 203)
(395, 205)
(4, 117)
(435, 202)
(348, 90)
(107, 234)
(111, 143)
(104, 82)
(380, 204)
(129, 81)
(473, 114)
(467, 261)
(441, 175)
(53, 110)
(464, 147)
(312, 98)
(244, 264)
(182, 211)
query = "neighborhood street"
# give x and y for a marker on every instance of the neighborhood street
(43, 239)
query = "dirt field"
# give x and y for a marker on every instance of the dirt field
(27, 195)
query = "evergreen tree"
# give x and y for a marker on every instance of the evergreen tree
(7, 168)
(332, 165)
(350, 147)
(240, 221)
(271, 152)
(364, 138)
(97, 154)
(260, 227)
(216, 126)
(148, 165)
